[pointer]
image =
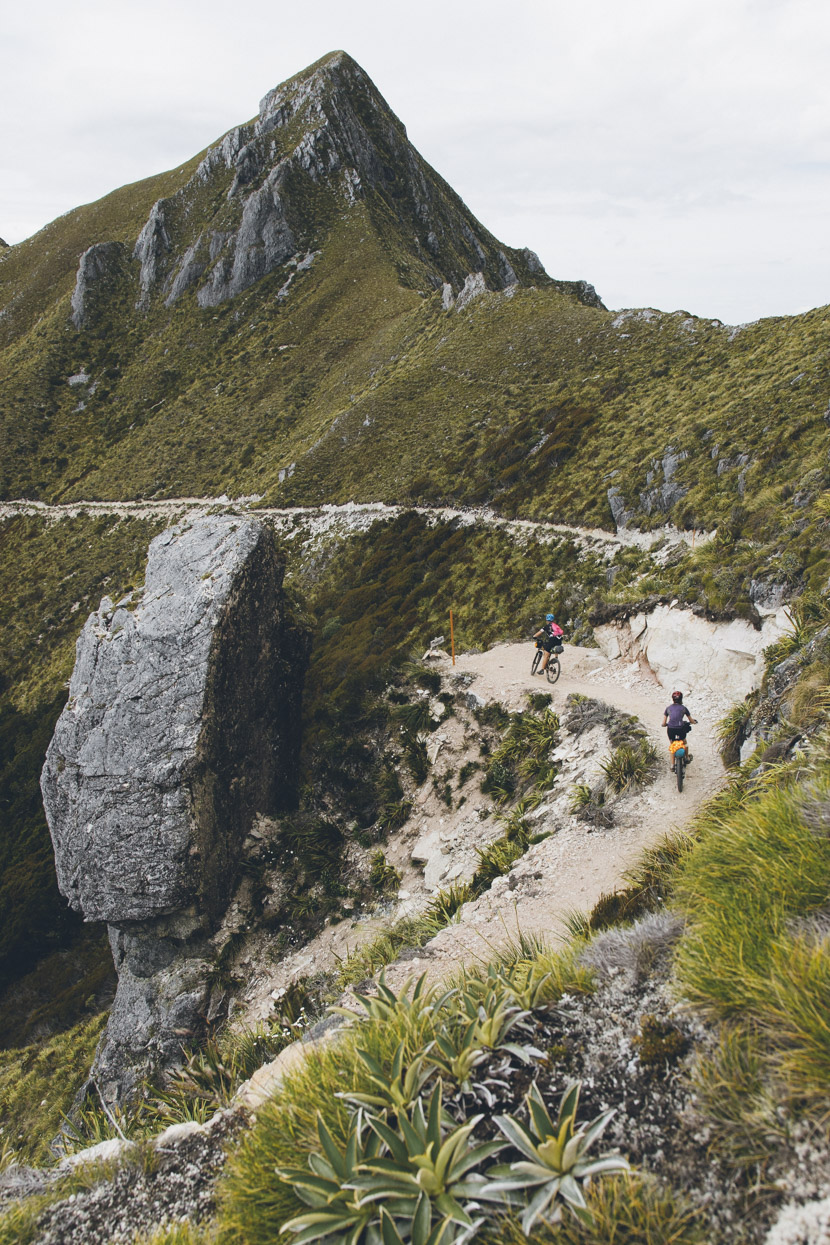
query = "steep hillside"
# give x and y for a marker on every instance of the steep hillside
(309, 313)
(321, 202)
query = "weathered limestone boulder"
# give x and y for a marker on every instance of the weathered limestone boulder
(182, 725)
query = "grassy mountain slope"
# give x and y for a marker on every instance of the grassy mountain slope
(271, 318)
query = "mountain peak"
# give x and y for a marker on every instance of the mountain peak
(312, 81)
(270, 192)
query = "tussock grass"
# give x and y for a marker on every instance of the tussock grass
(181, 1233)
(797, 1019)
(374, 955)
(744, 881)
(734, 1094)
(38, 1084)
(630, 765)
(629, 1209)
(540, 974)
(744, 888)
(651, 878)
(731, 732)
(810, 701)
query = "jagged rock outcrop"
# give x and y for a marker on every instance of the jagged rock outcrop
(325, 139)
(152, 245)
(662, 497)
(182, 724)
(474, 287)
(659, 496)
(100, 266)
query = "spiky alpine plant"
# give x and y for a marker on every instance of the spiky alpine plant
(490, 1004)
(555, 1164)
(337, 1212)
(458, 1053)
(421, 1180)
(413, 1010)
(396, 1090)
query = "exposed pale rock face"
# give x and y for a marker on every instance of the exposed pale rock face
(98, 265)
(688, 652)
(182, 724)
(262, 242)
(151, 248)
(474, 286)
(662, 497)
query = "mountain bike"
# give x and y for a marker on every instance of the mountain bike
(554, 669)
(679, 750)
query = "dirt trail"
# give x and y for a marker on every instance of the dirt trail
(570, 870)
(567, 871)
(355, 516)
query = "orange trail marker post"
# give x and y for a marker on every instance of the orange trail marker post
(452, 639)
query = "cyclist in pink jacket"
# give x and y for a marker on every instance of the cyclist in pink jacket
(551, 635)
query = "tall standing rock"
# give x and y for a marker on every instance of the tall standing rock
(182, 724)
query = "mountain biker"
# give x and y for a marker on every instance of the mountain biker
(673, 720)
(551, 636)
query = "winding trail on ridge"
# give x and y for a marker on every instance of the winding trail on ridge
(565, 872)
(569, 871)
(350, 516)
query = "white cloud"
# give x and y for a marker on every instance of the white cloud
(674, 154)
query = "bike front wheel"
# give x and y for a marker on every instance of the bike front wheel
(554, 670)
(537, 657)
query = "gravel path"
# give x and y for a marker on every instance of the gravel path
(354, 516)
(571, 869)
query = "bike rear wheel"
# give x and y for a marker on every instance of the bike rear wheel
(537, 657)
(554, 669)
(680, 767)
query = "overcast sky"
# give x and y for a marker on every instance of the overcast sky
(675, 153)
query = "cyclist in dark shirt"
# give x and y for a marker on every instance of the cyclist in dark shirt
(674, 719)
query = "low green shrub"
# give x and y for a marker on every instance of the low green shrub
(630, 765)
(383, 876)
(659, 1042)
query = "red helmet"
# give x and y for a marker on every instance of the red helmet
(677, 697)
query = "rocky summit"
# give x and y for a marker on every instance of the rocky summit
(182, 725)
